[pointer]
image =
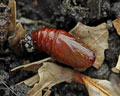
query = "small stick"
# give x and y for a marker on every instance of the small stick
(9, 88)
(33, 63)
(30, 21)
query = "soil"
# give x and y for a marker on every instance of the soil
(64, 14)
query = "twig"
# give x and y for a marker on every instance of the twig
(9, 88)
(30, 21)
(37, 62)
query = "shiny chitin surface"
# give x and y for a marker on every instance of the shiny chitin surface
(63, 47)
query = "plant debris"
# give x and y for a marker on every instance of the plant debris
(48, 75)
(116, 24)
(97, 87)
(64, 15)
(95, 37)
(30, 21)
(12, 5)
(34, 66)
(115, 81)
(116, 69)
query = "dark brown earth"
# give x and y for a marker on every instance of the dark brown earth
(65, 14)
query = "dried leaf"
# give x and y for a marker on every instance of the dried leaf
(107, 86)
(47, 93)
(116, 69)
(12, 5)
(31, 81)
(116, 24)
(118, 64)
(95, 37)
(50, 74)
(115, 81)
(34, 66)
(20, 32)
(14, 38)
(98, 87)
